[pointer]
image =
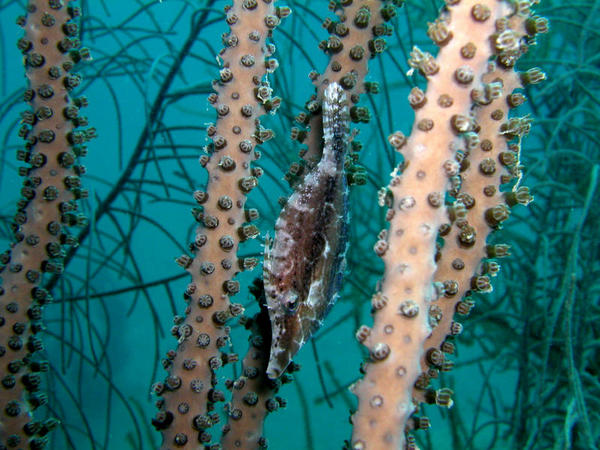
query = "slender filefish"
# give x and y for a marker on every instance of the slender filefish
(305, 261)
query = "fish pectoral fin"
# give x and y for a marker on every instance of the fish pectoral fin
(267, 258)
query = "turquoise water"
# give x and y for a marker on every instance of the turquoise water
(526, 366)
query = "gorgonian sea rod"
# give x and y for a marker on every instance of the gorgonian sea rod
(303, 267)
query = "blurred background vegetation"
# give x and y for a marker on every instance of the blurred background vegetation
(528, 363)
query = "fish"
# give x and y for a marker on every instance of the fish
(305, 261)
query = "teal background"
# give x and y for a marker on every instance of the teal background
(110, 323)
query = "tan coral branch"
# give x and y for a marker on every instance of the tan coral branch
(189, 393)
(46, 210)
(402, 319)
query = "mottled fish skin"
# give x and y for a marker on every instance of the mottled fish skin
(305, 261)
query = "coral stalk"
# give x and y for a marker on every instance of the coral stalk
(46, 209)
(242, 95)
(466, 264)
(402, 320)
(355, 39)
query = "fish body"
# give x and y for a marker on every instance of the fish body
(305, 261)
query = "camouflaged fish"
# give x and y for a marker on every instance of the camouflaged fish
(305, 261)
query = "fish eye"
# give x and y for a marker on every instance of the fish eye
(291, 302)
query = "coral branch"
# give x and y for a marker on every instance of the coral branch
(46, 210)
(355, 39)
(242, 95)
(481, 206)
(403, 318)
(253, 393)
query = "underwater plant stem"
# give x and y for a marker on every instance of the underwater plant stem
(145, 135)
(573, 371)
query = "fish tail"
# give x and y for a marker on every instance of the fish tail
(336, 126)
